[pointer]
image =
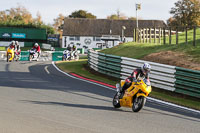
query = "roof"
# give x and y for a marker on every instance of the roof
(99, 27)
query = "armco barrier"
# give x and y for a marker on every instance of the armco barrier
(187, 82)
(162, 76)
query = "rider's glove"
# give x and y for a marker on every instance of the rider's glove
(134, 80)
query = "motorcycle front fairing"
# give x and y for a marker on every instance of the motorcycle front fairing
(135, 90)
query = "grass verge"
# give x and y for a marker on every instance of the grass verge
(2, 48)
(139, 50)
(80, 67)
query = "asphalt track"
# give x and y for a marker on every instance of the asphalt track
(37, 98)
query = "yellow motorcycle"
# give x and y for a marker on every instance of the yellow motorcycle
(10, 54)
(134, 97)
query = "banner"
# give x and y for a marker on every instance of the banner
(18, 35)
(6, 35)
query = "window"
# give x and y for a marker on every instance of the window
(96, 38)
(74, 38)
(71, 38)
(77, 38)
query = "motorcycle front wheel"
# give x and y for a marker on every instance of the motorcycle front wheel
(8, 57)
(116, 102)
(138, 103)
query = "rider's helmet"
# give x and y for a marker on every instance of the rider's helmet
(16, 43)
(36, 45)
(65, 52)
(146, 68)
(13, 43)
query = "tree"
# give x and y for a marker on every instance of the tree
(185, 13)
(81, 14)
(58, 23)
(21, 17)
(38, 19)
(118, 15)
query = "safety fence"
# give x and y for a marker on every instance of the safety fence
(162, 76)
(45, 56)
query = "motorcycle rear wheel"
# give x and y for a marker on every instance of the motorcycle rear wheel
(30, 57)
(138, 105)
(116, 102)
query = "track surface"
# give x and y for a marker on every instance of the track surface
(36, 98)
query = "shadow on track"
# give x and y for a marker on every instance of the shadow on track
(74, 105)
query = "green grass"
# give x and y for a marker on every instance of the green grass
(139, 50)
(2, 48)
(78, 67)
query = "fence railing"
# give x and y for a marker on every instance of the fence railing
(162, 76)
(168, 35)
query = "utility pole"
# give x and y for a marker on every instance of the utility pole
(138, 7)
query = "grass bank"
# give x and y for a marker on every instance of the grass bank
(80, 67)
(139, 50)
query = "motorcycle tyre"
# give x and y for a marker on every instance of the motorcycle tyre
(116, 105)
(30, 57)
(8, 57)
(140, 106)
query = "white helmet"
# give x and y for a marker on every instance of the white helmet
(146, 68)
(13, 42)
(36, 44)
(16, 42)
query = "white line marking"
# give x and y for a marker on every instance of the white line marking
(149, 98)
(45, 68)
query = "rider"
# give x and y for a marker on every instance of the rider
(37, 47)
(12, 45)
(142, 72)
(10, 48)
(17, 47)
(74, 48)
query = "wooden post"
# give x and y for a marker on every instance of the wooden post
(149, 35)
(140, 36)
(194, 36)
(155, 35)
(159, 35)
(133, 35)
(164, 39)
(170, 35)
(186, 35)
(177, 35)
(143, 35)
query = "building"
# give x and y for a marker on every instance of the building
(101, 33)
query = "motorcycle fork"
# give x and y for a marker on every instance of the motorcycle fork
(135, 95)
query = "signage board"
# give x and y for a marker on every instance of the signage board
(18, 35)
